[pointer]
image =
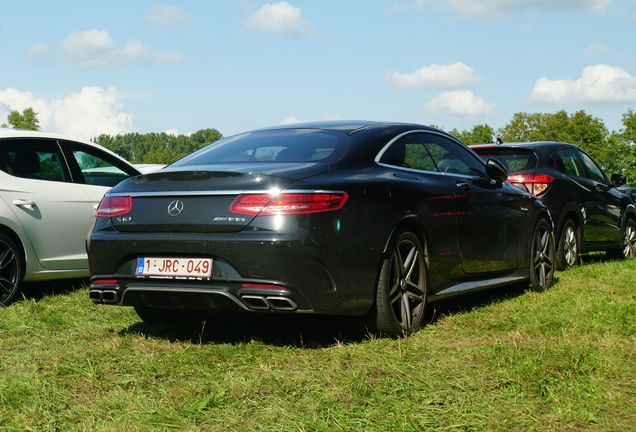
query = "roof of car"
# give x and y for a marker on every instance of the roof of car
(532, 144)
(346, 126)
(24, 133)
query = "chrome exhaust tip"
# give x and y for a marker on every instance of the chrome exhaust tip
(95, 296)
(109, 296)
(255, 302)
(281, 303)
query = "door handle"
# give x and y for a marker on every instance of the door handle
(463, 186)
(24, 203)
(601, 188)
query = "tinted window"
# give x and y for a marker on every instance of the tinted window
(293, 145)
(591, 170)
(33, 159)
(512, 158)
(566, 161)
(452, 158)
(98, 168)
(409, 152)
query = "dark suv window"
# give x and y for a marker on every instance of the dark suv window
(566, 161)
(514, 159)
(592, 171)
(36, 159)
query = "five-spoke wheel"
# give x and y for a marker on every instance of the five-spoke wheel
(542, 253)
(10, 269)
(629, 240)
(401, 292)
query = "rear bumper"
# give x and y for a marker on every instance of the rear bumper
(302, 275)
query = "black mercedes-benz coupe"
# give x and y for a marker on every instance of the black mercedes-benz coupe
(590, 213)
(341, 218)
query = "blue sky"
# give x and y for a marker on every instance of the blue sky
(119, 66)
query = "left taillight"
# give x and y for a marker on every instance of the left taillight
(288, 203)
(536, 184)
(111, 206)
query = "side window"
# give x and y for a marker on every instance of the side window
(98, 168)
(567, 162)
(592, 171)
(452, 158)
(409, 152)
(37, 159)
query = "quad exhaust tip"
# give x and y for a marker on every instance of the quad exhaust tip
(103, 296)
(270, 302)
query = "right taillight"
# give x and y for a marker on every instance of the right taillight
(111, 206)
(287, 203)
(536, 184)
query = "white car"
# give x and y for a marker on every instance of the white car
(50, 186)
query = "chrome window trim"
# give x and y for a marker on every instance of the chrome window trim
(219, 192)
(430, 132)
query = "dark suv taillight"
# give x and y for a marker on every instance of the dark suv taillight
(536, 184)
(111, 206)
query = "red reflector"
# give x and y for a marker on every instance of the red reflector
(536, 184)
(114, 206)
(104, 282)
(288, 203)
(261, 286)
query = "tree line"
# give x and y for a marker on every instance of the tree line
(615, 151)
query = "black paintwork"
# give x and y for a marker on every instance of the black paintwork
(477, 230)
(599, 209)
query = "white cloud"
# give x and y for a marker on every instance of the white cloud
(279, 18)
(96, 49)
(499, 8)
(171, 131)
(166, 15)
(434, 76)
(289, 121)
(85, 114)
(598, 84)
(462, 103)
(595, 50)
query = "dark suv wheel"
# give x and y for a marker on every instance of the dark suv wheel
(569, 246)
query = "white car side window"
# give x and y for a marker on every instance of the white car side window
(33, 159)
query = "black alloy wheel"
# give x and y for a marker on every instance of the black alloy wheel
(402, 291)
(542, 252)
(11, 269)
(568, 250)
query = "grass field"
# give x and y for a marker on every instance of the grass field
(509, 359)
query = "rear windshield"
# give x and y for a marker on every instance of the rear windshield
(514, 159)
(290, 145)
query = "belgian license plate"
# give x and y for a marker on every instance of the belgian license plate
(174, 267)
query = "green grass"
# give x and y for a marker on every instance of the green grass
(507, 360)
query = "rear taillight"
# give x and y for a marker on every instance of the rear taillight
(287, 203)
(536, 184)
(111, 206)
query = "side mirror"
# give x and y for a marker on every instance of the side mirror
(618, 179)
(496, 171)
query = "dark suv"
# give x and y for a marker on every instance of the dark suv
(589, 212)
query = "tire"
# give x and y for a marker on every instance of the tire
(401, 292)
(628, 245)
(569, 246)
(542, 256)
(160, 316)
(11, 270)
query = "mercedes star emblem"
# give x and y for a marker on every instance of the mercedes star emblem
(175, 208)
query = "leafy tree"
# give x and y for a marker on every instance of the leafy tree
(28, 119)
(157, 147)
(479, 134)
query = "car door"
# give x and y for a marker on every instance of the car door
(418, 186)
(492, 217)
(602, 203)
(97, 170)
(53, 210)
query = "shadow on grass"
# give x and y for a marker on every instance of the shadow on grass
(304, 331)
(39, 290)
